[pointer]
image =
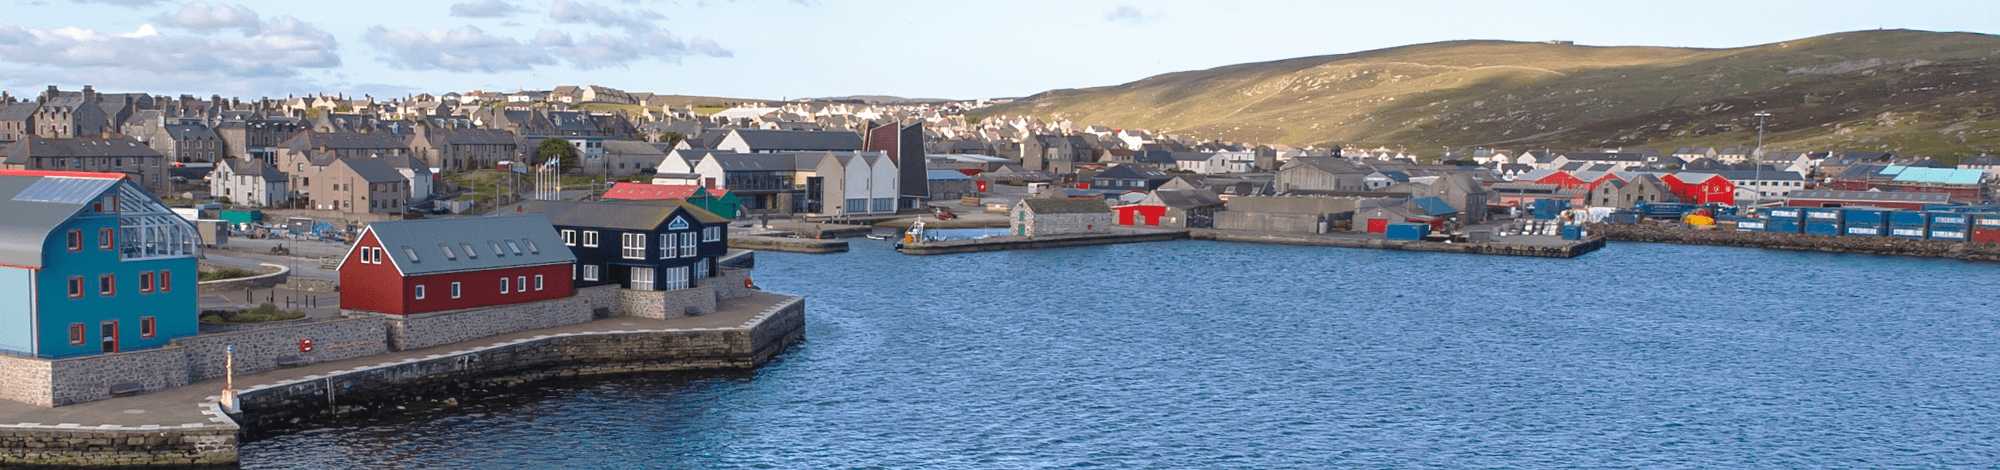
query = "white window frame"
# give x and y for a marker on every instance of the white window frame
(700, 271)
(590, 272)
(633, 245)
(569, 237)
(710, 234)
(642, 278)
(420, 292)
(590, 238)
(538, 282)
(454, 290)
(676, 279)
(503, 284)
(688, 245)
(521, 283)
(669, 249)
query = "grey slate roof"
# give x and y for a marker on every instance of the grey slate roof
(34, 146)
(374, 170)
(439, 245)
(631, 147)
(1187, 198)
(624, 215)
(1067, 205)
(767, 140)
(28, 223)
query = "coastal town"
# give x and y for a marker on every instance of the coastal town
(161, 244)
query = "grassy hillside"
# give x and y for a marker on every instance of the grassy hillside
(1826, 90)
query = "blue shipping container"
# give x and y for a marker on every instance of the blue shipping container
(1949, 220)
(1988, 221)
(1950, 234)
(1823, 228)
(1823, 214)
(1572, 232)
(1787, 213)
(1867, 230)
(1906, 218)
(1750, 225)
(1906, 232)
(1866, 216)
(1782, 226)
(1408, 231)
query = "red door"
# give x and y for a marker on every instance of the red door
(109, 331)
(1378, 225)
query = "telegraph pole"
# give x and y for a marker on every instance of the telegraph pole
(1757, 159)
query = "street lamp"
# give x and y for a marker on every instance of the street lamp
(1757, 159)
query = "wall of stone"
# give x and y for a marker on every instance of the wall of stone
(1064, 224)
(207, 328)
(57, 446)
(420, 331)
(728, 283)
(25, 380)
(667, 304)
(261, 350)
(603, 300)
(91, 378)
(527, 360)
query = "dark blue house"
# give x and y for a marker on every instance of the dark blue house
(661, 244)
(1129, 177)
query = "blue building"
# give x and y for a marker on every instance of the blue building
(91, 263)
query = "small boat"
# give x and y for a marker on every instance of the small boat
(875, 236)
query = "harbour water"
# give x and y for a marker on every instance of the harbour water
(1197, 354)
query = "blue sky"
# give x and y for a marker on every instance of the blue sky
(772, 49)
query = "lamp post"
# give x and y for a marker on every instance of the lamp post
(1757, 159)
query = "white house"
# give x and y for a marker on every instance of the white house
(248, 182)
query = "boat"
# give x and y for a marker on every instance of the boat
(875, 236)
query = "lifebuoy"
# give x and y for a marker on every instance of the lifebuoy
(306, 345)
(749, 285)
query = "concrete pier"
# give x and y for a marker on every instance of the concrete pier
(1536, 246)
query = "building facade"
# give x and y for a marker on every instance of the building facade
(651, 245)
(420, 266)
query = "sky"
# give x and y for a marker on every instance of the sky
(789, 49)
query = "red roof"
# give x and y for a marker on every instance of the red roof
(72, 174)
(652, 191)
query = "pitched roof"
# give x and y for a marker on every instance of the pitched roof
(1869, 196)
(631, 147)
(625, 215)
(1185, 198)
(36, 202)
(35, 146)
(1067, 205)
(771, 140)
(624, 190)
(936, 175)
(431, 246)
(373, 170)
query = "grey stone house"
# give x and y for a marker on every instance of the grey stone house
(1035, 217)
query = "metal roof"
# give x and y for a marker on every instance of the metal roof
(1066, 205)
(431, 246)
(935, 175)
(1885, 196)
(30, 220)
(1938, 175)
(1434, 205)
(624, 215)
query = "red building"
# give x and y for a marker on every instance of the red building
(1701, 188)
(1135, 214)
(417, 266)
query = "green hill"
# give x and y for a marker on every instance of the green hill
(1911, 91)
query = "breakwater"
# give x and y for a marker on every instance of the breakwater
(1024, 243)
(787, 244)
(1889, 246)
(1565, 249)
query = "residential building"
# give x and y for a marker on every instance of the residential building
(358, 185)
(654, 245)
(102, 155)
(769, 141)
(248, 182)
(1129, 177)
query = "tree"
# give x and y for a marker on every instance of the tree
(556, 148)
(671, 138)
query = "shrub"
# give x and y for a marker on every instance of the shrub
(225, 273)
(267, 312)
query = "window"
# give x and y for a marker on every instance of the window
(885, 204)
(503, 285)
(448, 255)
(145, 283)
(538, 282)
(569, 237)
(669, 249)
(711, 234)
(146, 329)
(516, 248)
(634, 245)
(367, 255)
(454, 290)
(642, 278)
(107, 285)
(76, 240)
(857, 205)
(496, 248)
(469, 253)
(521, 283)
(590, 238)
(590, 272)
(687, 244)
(677, 278)
(105, 239)
(700, 270)
(420, 292)
(166, 281)
(532, 249)
(76, 332)
(76, 287)
(380, 255)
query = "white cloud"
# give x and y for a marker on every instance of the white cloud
(122, 3)
(1128, 14)
(463, 49)
(486, 9)
(200, 17)
(637, 22)
(274, 56)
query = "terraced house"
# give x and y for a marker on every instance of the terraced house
(121, 155)
(90, 263)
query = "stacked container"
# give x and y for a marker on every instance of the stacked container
(1906, 224)
(1866, 222)
(1785, 220)
(1408, 231)
(1750, 225)
(1986, 228)
(1823, 221)
(1572, 232)
(1953, 226)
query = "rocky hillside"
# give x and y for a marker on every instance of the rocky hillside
(1910, 91)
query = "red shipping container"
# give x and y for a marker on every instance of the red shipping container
(1986, 235)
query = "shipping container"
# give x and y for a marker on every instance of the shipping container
(1479, 236)
(1629, 218)
(1987, 221)
(1786, 213)
(1986, 235)
(1948, 234)
(1907, 232)
(1823, 228)
(1750, 225)
(1782, 226)
(1408, 231)
(1866, 216)
(1907, 218)
(1823, 214)
(1949, 220)
(1572, 232)
(1866, 230)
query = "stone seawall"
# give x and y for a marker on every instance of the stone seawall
(272, 348)
(71, 445)
(424, 330)
(667, 304)
(1888, 246)
(524, 361)
(26, 380)
(794, 245)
